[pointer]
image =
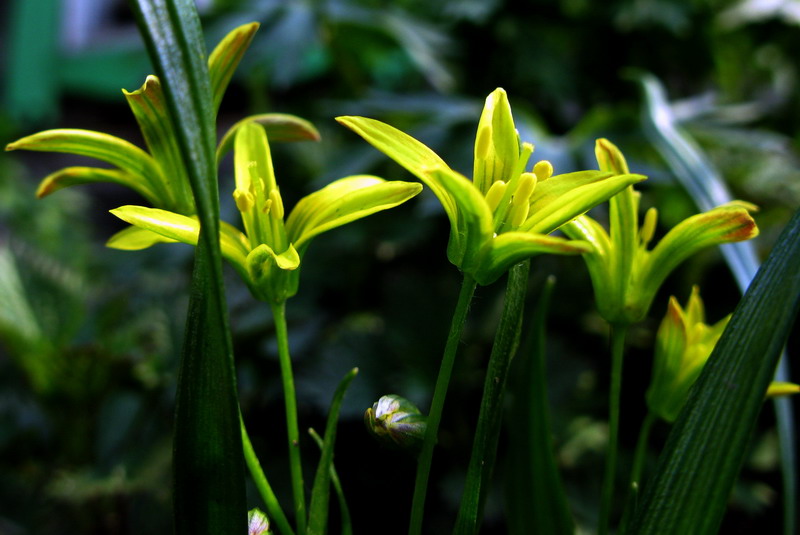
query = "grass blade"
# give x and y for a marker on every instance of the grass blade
(707, 445)
(705, 185)
(208, 467)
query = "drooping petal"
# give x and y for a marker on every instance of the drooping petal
(150, 109)
(136, 238)
(226, 57)
(343, 201)
(279, 127)
(183, 229)
(564, 197)
(496, 142)
(727, 223)
(105, 147)
(414, 156)
(71, 176)
(510, 248)
(471, 224)
(273, 276)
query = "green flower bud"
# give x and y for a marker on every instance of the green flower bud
(397, 423)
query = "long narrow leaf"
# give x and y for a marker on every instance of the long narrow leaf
(708, 443)
(537, 502)
(208, 466)
(320, 493)
(347, 527)
(704, 183)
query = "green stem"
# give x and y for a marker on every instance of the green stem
(437, 403)
(618, 332)
(635, 486)
(276, 514)
(484, 447)
(290, 400)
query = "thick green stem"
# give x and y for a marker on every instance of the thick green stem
(260, 479)
(617, 351)
(484, 446)
(437, 404)
(290, 401)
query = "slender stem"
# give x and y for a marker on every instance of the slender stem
(290, 400)
(618, 332)
(437, 403)
(635, 486)
(487, 429)
(260, 479)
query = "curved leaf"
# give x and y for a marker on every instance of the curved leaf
(226, 57)
(279, 127)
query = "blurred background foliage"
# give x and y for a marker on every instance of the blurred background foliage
(89, 336)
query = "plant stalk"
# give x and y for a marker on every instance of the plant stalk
(290, 402)
(618, 332)
(437, 403)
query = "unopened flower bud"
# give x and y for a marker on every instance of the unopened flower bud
(397, 423)
(257, 522)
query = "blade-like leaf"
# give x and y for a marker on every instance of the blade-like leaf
(707, 188)
(226, 57)
(347, 524)
(706, 448)
(320, 493)
(208, 465)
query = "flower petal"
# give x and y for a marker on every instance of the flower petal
(71, 176)
(136, 238)
(273, 277)
(226, 57)
(150, 109)
(279, 127)
(405, 150)
(510, 248)
(496, 142)
(183, 229)
(564, 197)
(98, 145)
(343, 201)
(727, 223)
(471, 224)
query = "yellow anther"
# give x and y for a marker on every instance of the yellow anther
(277, 203)
(495, 194)
(267, 207)
(519, 213)
(649, 225)
(527, 183)
(243, 199)
(483, 141)
(543, 170)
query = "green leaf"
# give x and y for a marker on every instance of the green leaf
(347, 524)
(105, 147)
(279, 127)
(226, 57)
(537, 502)
(343, 201)
(71, 176)
(150, 109)
(707, 445)
(208, 466)
(320, 493)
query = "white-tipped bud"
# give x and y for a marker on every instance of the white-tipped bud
(495, 194)
(397, 423)
(543, 170)
(244, 200)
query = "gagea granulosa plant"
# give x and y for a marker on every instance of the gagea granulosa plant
(506, 211)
